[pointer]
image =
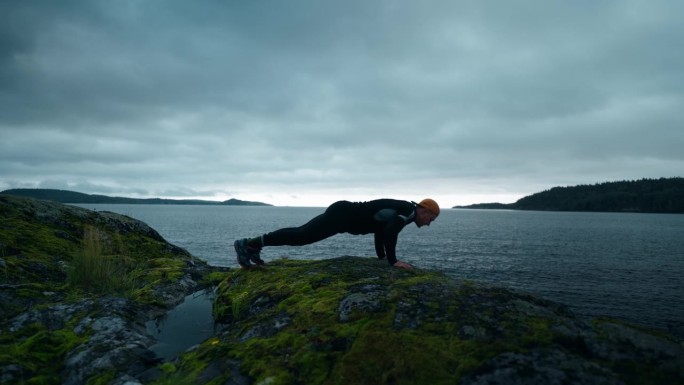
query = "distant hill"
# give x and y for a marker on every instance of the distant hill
(493, 206)
(64, 196)
(664, 195)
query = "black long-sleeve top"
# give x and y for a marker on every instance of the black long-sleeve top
(385, 218)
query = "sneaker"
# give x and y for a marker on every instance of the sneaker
(242, 252)
(246, 253)
(254, 255)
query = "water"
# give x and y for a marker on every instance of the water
(623, 265)
(186, 325)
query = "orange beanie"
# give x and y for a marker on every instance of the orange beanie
(430, 205)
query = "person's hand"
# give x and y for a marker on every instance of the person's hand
(403, 265)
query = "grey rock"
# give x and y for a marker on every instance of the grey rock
(268, 328)
(366, 298)
(126, 380)
(114, 344)
(541, 367)
(11, 374)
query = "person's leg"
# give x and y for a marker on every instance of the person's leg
(331, 222)
(321, 227)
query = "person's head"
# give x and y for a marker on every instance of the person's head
(426, 212)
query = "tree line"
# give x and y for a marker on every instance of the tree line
(664, 195)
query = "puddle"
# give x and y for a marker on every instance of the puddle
(184, 326)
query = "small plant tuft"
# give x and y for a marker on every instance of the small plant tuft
(95, 269)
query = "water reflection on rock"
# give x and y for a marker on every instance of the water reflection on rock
(184, 326)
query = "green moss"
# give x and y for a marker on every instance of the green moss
(421, 276)
(537, 332)
(316, 347)
(168, 367)
(39, 351)
(406, 357)
(54, 253)
(213, 279)
(176, 379)
(239, 304)
(412, 327)
(190, 365)
(102, 378)
(90, 256)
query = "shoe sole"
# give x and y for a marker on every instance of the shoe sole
(258, 262)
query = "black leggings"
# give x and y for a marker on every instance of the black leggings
(334, 220)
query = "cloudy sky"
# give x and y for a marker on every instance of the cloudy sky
(302, 103)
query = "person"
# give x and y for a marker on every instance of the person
(384, 218)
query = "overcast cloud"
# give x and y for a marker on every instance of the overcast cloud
(306, 102)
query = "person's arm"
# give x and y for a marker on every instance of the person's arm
(391, 233)
(379, 245)
(386, 238)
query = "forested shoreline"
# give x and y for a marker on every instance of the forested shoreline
(664, 195)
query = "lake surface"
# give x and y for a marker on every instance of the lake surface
(623, 265)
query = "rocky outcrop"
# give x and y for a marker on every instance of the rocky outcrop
(57, 330)
(356, 321)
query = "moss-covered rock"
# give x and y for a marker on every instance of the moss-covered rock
(77, 287)
(355, 320)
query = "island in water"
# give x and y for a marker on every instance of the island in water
(664, 195)
(65, 196)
